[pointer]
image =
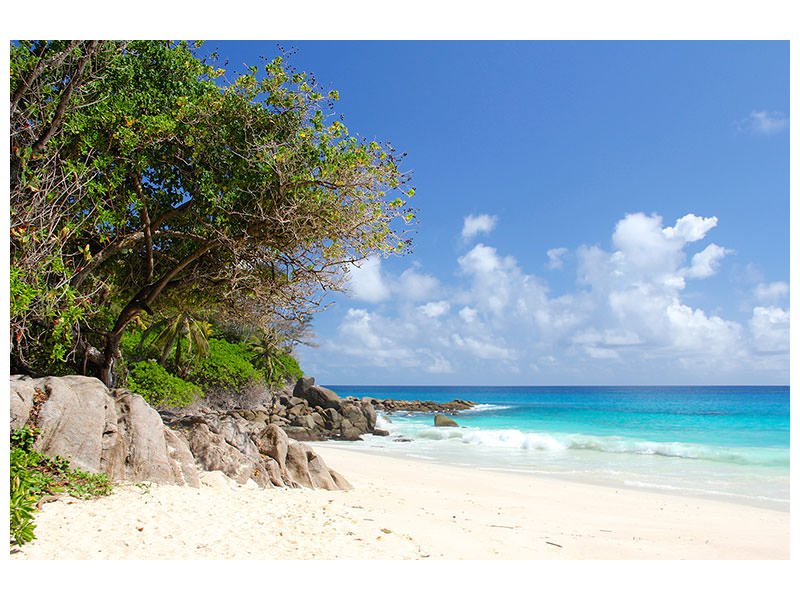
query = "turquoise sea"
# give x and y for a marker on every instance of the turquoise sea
(728, 443)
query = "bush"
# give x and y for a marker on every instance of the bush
(154, 384)
(284, 370)
(34, 475)
(227, 365)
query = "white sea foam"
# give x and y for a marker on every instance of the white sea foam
(512, 438)
(516, 439)
(486, 407)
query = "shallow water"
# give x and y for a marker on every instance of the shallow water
(728, 443)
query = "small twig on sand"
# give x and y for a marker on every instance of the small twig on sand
(504, 526)
(554, 544)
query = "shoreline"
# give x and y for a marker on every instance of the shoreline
(587, 478)
(405, 509)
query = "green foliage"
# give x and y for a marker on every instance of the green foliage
(157, 181)
(34, 475)
(228, 365)
(284, 369)
(158, 387)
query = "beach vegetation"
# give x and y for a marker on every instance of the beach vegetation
(159, 387)
(34, 476)
(142, 180)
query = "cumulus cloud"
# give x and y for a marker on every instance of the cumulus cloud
(435, 309)
(631, 310)
(770, 329)
(415, 286)
(366, 281)
(705, 263)
(468, 314)
(555, 258)
(771, 292)
(763, 122)
(475, 224)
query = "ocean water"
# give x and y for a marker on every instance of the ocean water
(727, 443)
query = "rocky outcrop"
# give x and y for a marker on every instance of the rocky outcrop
(314, 412)
(444, 421)
(389, 405)
(116, 432)
(101, 431)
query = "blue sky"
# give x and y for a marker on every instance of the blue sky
(590, 212)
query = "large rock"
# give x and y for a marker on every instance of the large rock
(274, 443)
(319, 396)
(443, 421)
(118, 433)
(100, 431)
(215, 454)
(302, 386)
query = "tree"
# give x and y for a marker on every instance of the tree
(184, 332)
(247, 193)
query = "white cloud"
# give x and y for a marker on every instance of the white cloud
(555, 256)
(468, 314)
(435, 309)
(771, 292)
(690, 228)
(705, 263)
(602, 353)
(475, 224)
(439, 364)
(770, 329)
(632, 308)
(366, 281)
(415, 286)
(764, 122)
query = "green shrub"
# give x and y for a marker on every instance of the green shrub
(227, 365)
(158, 387)
(284, 369)
(34, 475)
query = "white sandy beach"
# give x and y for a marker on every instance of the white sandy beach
(403, 509)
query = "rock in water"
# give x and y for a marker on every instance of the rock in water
(443, 421)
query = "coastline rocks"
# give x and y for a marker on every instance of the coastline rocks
(389, 405)
(116, 432)
(247, 450)
(101, 431)
(443, 421)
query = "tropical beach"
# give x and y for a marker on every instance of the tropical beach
(402, 509)
(220, 348)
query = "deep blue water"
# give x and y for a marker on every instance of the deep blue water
(712, 440)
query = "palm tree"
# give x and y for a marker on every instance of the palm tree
(265, 345)
(183, 331)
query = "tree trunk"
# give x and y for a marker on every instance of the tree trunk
(110, 354)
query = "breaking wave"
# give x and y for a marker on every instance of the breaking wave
(516, 439)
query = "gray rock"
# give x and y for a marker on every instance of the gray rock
(444, 421)
(20, 402)
(297, 464)
(100, 431)
(303, 434)
(302, 386)
(323, 397)
(369, 414)
(306, 421)
(118, 433)
(215, 454)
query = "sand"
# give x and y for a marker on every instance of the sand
(403, 509)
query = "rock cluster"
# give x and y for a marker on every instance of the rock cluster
(312, 412)
(389, 406)
(116, 432)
